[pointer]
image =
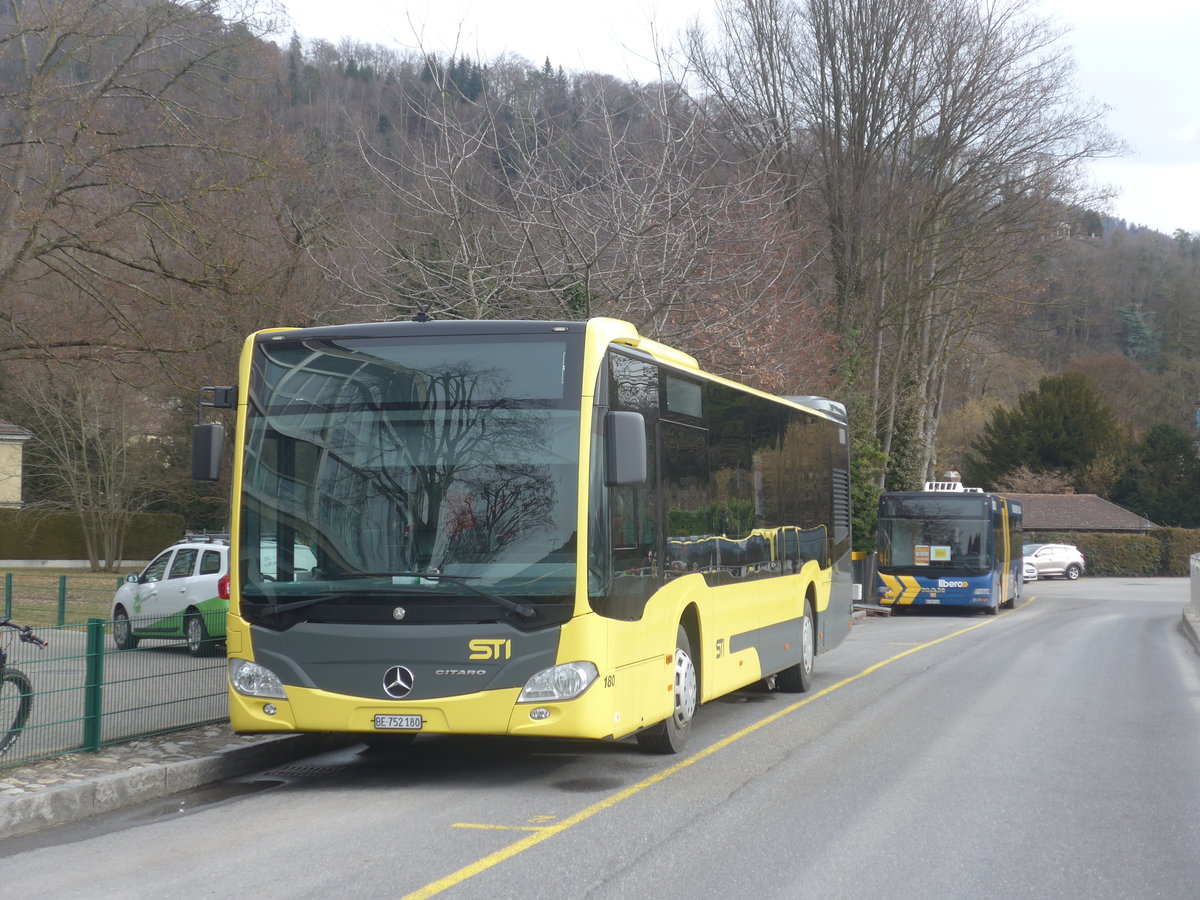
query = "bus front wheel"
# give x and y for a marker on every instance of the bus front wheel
(671, 735)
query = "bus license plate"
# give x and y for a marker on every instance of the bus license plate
(398, 723)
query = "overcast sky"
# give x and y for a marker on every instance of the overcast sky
(1138, 57)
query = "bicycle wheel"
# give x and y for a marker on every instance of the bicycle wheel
(16, 699)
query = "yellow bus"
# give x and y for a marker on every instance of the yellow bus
(551, 529)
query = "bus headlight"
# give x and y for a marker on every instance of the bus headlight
(565, 682)
(254, 680)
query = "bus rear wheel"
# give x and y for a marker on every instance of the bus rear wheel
(798, 678)
(671, 735)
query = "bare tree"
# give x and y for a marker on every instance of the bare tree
(134, 176)
(535, 194)
(937, 141)
(1023, 479)
(91, 452)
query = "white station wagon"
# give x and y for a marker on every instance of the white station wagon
(183, 593)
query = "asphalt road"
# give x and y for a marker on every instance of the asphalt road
(1051, 751)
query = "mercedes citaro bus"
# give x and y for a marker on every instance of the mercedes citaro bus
(555, 529)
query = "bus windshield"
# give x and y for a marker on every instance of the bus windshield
(935, 532)
(430, 467)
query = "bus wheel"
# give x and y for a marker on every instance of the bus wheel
(798, 678)
(671, 735)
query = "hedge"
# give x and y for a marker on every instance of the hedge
(1160, 552)
(58, 534)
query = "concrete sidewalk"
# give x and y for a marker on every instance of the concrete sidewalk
(68, 789)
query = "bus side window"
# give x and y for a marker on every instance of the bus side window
(687, 498)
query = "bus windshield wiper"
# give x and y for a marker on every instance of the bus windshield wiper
(525, 612)
(276, 609)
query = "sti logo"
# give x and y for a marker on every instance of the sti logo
(490, 648)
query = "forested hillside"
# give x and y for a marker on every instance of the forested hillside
(878, 201)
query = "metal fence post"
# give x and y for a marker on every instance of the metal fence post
(93, 700)
(62, 600)
(8, 595)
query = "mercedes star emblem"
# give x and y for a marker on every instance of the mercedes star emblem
(397, 682)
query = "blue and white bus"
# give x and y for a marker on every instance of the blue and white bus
(948, 546)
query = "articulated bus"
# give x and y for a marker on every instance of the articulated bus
(948, 546)
(553, 529)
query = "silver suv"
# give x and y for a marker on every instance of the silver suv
(183, 593)
(1055, 560)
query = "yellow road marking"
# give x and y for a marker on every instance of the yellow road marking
(498, 827)
(549, 831)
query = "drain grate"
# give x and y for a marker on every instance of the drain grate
(303, 771)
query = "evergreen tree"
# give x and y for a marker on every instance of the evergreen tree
(867, 463)
(1163, 479)
(1064, 425)
(1140, 338)
(295, 57)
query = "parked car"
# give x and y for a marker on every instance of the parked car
(1029, 573)
(183, 593)
(1052, 560)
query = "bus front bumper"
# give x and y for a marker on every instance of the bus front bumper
(484, 713)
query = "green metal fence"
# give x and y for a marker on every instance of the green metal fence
(87, 694)
(47, 597)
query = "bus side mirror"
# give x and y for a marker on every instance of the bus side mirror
(207, 442)
(625, 447)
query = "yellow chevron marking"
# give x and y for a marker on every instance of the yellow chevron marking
(911, 589)
(893, 589)
(902, 589)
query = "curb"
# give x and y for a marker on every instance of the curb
(67, 803)
(1191, 628)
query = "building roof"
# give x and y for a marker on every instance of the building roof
(10, 433)
(1077, 512)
